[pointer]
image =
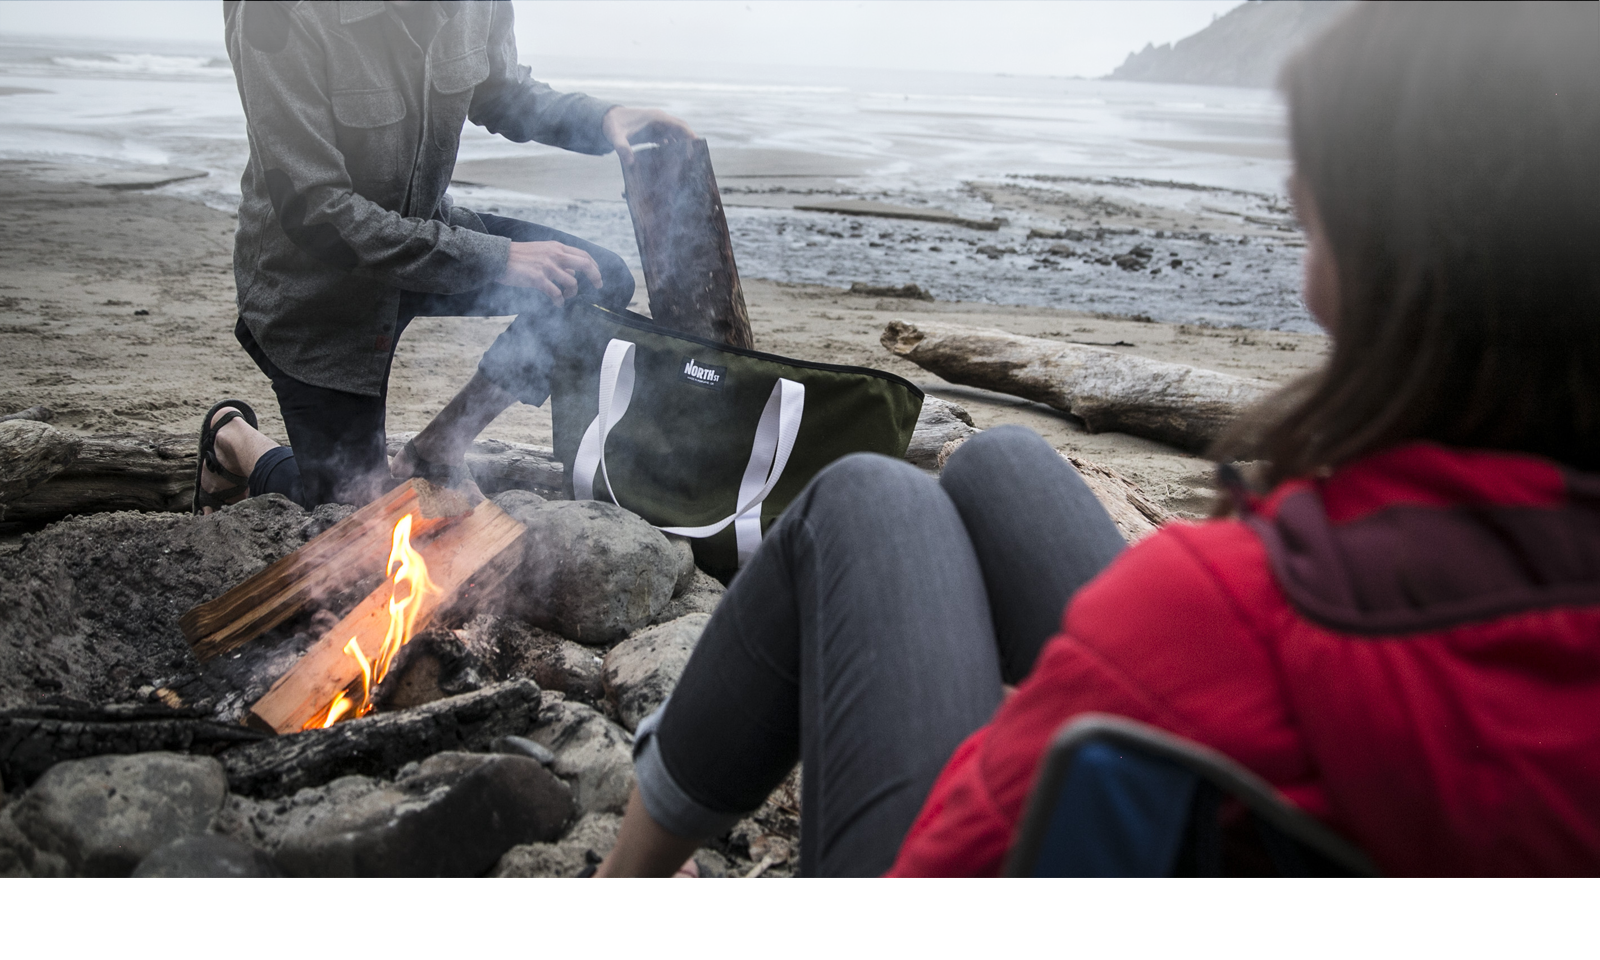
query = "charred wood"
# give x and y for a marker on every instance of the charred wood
(682, 231)
(381, 743)
(33, 739)
(1181, 405)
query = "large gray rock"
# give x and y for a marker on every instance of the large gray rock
(206, 855)
(642, 670)
(701, 594)
(592, 572)
(20, 858)
(454, 814)
(105, 814)
(592, 754)
(590, 839)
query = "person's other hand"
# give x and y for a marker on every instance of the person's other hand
(550, 267)
(625, 126)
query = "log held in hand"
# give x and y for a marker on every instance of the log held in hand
(466, 559)
(1185, 406)
(683, 240)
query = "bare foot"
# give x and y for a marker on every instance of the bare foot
(238, 446)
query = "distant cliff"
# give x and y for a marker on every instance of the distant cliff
(1244, 48)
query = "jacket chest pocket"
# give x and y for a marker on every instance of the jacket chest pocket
(377, 150)
(454, 81)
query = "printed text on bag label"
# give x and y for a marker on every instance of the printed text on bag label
(705, 376)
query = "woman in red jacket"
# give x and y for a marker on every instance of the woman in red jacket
(1402, 634)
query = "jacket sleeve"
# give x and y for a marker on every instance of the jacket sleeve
(279, 65)
(514, 105)
(1168, 635)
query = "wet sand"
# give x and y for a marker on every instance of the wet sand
(79, 262)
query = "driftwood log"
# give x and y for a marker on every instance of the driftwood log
(380, 744)
(1177, 404)
(116, 472)
(939, 424)
(683, 241)
(31, 453)
(1135, 514)
(499, 465)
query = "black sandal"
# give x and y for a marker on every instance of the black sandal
(445, 475)
(217, 499)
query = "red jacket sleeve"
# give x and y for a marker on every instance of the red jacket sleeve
(1168, 635)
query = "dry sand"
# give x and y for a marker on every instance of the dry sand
(79, 263)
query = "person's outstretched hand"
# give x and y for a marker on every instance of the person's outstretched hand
(625, 126)
(550, 267)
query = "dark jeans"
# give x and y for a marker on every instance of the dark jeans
(337, 446)
(868, 637)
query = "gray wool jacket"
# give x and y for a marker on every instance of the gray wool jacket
(353, 135)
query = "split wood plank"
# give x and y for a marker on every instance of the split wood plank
(350, 551)
(682, 231)
(1171, 402)
(471, 556)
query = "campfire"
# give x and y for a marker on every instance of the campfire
(438, 554)
(408, 583)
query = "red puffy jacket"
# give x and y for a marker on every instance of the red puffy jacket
(1408, 649)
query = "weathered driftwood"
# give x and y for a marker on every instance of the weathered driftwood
(684, 244)
(498, 465)
(115, 472)
(31, 453)
(939, 423)
(380, 744)
(1135, 514)
(34, 739)
(467, 559)
(350, 551)
(1185, 406)
(41, 414)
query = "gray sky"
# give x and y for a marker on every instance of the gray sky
(1059, 37)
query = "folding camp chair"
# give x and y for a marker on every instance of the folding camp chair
(1116, 798)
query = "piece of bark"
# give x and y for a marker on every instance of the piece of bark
(1135, 514)
(31, 453)
(41, 414)
(498, 465)
(682, 231)
(350, 551)
(467, 560)
(1177, 404)
(113, 472)
(32, 740)
(380, 744)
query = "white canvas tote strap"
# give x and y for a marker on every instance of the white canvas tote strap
(769, 454)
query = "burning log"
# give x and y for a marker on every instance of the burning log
(350, 551)
(466, 559)
(1185, 406)
(117, 472)
(683, 240)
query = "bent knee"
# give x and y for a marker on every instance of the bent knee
(870, 484)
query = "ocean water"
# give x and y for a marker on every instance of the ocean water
(913, 138)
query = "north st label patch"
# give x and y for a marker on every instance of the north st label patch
(705, 376)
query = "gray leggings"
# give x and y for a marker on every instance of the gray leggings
(868, 637)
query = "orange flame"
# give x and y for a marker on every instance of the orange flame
(408, 574)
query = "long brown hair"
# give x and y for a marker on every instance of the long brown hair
(1453, 153)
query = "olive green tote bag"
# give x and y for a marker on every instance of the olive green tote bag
(704, 440)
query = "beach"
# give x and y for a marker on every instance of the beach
(117, 312)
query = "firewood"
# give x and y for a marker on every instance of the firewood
(683, 241)
(33, 739)
(31, 453)
(380, 744)
(498, 465)
(466, 560)
(1181, 405)
(114, 472)
(354, 549)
